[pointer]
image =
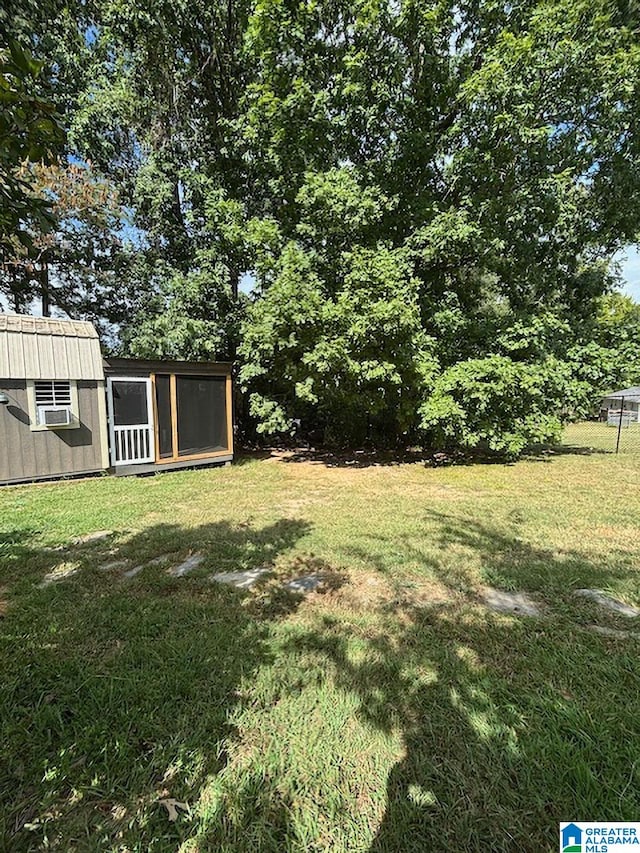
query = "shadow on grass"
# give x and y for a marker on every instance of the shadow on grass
(502, 725)
(508, 725)
(547, 452)
(497, 556)
(359, 459)
(117, 693)
(511, 563)
(355, 458)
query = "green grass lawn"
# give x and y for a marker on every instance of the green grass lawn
(391, 712)
(593, 435)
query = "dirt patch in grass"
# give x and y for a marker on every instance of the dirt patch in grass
(365, 590)
(369, 591)
(428, 592)
(294, 507)
(509, 603)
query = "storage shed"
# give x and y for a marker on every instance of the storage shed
(168, 414)
(64, 411)
(53, 421)
(622, 407)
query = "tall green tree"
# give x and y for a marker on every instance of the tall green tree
(158, 117)
(608, 357)
(150, 92)
(500, 144)
(427, 196)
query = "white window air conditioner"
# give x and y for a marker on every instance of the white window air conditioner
(51, 416)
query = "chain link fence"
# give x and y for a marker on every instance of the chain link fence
(616, 430)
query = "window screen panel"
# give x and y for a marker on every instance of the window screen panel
(163, 407)
(53, 393)
(129, 403)
(202, 414)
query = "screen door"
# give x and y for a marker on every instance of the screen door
(130, 420)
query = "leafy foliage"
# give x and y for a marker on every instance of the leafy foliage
(498, 403)
(353, 360)
(158, 122)
(426, 197)
(30, 131)
(489, 147)
(190, 316)
(80, 264)
(618, 332)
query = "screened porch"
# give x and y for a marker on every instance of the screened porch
(168, 414)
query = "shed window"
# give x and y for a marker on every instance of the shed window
(56, 394)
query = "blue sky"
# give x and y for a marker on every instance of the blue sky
(630, 263)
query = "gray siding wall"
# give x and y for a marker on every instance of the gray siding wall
(26, 455)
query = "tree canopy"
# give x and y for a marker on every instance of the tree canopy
(425, 196)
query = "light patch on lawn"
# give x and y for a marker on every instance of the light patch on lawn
(60, 572)
(613, 632)
(95, 536)
(514, 603)
(186, 566)
(608, 602)
(242, 580)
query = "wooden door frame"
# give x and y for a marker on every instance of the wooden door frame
(173, 405)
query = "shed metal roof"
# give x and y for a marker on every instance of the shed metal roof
(631, 394)
(46, 348)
